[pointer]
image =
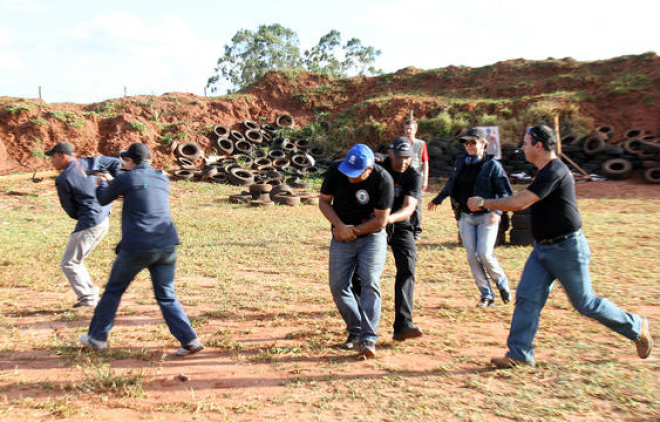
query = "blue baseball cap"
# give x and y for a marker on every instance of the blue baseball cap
(359, 158)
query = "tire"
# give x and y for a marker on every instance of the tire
(281, 163)
(250, 125)
(261, 203)
(268, 128)
(254, 136)
(521, 238)
(289, 200)
(261, 162)
(632, 145)
(281, 189)
(521, 221)
(209, 172)
(652, 175)
(309, 200)
(284, 121)
(300, 161)
(224, 146)
(302, 144)
(189, 150)
(606, 131)
(219, 178)
(184, 174)
(185, 163)
(593, 145)
(317, 153)
(240, 177)
(634, 133)
(570, 139)
(243, 147)
(236, 136)
(276, 153)
(221, 131)
(257, 189)
(617, 169)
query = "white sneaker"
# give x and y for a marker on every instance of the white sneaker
(88, 341)
(190, 349)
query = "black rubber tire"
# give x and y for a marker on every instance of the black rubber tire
(189, 150)
(249, 124)
(317, 153)
(617, 169)
(284, 121)
(268, 128)
(185, 163)
(652, 175)
(300, 161)
(219, 178)
(209, 172)
(221, 131)
(281, 163)
(184, 174)
(281, 189)
(634, 133)
(243, 147)
(521, 221)
(261, 162)
(240, 177)
(243, 160)
(632, 145)
(254, 136)
(257, 189)
(521, 238)
(606, 131)
(224, 146)
(261, 203)
(236, 135)
(302, 144)
(594, 144)
(290, 200)
(276, 153)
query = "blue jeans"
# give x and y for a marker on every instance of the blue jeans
(368, 253)
(479, 239)
(161, 264)
(567, 261)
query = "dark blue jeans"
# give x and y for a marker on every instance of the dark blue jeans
(161, 264)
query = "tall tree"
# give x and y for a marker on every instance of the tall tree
(322, 58)
(359, 57)
(252, 54)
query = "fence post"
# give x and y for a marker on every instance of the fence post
(40, 92)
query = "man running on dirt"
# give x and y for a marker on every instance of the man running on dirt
(77, 193)
(560, 252)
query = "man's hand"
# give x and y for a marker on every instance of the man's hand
(475, 203)
(432, 206)
(344, 233)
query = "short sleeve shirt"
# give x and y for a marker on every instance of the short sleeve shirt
(408, 183)
(355, 203)
(556, 214)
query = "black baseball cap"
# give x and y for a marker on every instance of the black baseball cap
(401, 147)
(138, 152)
(62, 148)
(474, 133)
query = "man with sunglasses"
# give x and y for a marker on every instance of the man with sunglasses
(77, 193)
(560, 252)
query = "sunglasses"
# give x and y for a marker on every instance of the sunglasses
(470, 142)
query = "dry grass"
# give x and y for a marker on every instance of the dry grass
(254, 282)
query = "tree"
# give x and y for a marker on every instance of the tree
(252, 54)
(272, 47)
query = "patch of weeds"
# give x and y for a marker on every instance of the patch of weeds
(626, 83)
(101, 379)
(147, 102)
(137, 126)
(107, 109)
(197, 102)
(38, 121)
(303, 99)
(18, 108)
(70, 118)
(61, 407)
(38, 151)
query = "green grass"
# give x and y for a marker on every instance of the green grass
(254, 283)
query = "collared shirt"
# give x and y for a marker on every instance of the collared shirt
(146, 222)
(77, 191)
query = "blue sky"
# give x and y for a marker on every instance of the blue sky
(87, 51)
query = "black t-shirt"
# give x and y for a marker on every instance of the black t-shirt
(408, 183)
(464, 187)
(556, 214)
(355, 203)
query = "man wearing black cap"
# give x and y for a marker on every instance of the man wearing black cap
(400, 233)
(77, 194)
(356, 198)
(149, 240)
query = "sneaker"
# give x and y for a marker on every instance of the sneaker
(368, 349)
(645, 342)
(485, 303)
(88, 341)
(352, 342)
(418, 236)
(406, 333)
(190, 349)
(85, 304)
(507, 363)
(505, 294)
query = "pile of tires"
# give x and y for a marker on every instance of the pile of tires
(266, 195)
(521, 226)
(256, 154)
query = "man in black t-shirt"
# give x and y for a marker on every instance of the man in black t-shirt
(560, 252)
(356, 197)
(400, 234)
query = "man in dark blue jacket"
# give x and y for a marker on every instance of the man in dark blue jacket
(149, 240)
(77, 193)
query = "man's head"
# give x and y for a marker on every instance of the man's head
(136, 154)
(474, 141)
(401, 153)
(410, 128)
(358, 163)
(538, 139)
(61, 155)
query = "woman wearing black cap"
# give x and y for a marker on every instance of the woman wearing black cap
(478, 174)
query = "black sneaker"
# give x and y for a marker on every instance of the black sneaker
(406, 333)
(351, 342)
(505, 294)
(485, 303)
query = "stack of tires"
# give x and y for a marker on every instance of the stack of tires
(255, 155)
(266, 195)
(521, 226)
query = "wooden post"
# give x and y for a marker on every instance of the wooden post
(564, 156)
(125, 91)
(558, 135)
(205, 92)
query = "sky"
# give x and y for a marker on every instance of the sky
(87, 51)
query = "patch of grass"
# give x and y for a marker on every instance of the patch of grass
(138, 127)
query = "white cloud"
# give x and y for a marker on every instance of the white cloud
(24, 6)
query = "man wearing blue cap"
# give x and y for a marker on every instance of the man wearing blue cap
(356, 197)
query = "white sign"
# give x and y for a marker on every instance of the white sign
(493, 136)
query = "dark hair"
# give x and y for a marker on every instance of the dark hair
(411, 122)
(544, 135)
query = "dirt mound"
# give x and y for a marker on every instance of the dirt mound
(621, 92)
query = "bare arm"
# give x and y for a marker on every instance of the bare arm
(517, 202)
(425, 175)
(342, 232)
(409, 207)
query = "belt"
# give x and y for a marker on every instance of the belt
(547, 242)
